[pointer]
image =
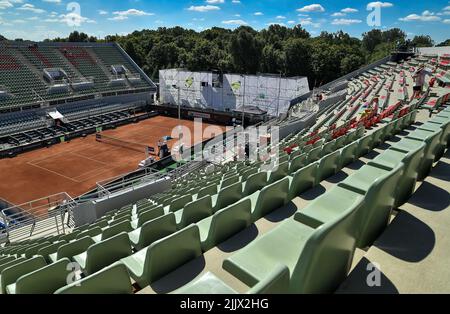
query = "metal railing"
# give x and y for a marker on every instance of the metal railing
(50, 215)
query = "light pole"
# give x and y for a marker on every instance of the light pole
(243, 106)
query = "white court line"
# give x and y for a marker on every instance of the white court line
(54, 172)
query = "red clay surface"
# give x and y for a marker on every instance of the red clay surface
(75, 167)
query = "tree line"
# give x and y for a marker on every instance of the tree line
(277, 49)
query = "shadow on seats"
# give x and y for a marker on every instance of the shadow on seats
(179, 277)
(384, 146)
(364, 272)
(338, 177)
(239, 240)
(313, 193)
(430, 197)
(371, 155)
(407, 238)
(282, 213)
(356, 165)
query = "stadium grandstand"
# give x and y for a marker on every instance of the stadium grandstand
(361, 178)
(52, 92)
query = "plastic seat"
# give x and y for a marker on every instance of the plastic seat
(310, 254)
(164, 256)
(276, 282)
(71, 249)
(194, 212)
(444, 122)
(179, 203)
(379, 189)
(10, 274)
(281, 171)
(313, 155)
(364, 145)
(33, 249)
(50, 249)
(302, 180)
(270, 198)
(227, 196)
(224, 223)
(328, 148)
(113, 230)
(297, 163)
(229, 181)
(153, 230)
(113, 279)
(147, 216)
(255, 183)
(104, 253)
(45, 280)
(91, 232)
(429, 126)
(348, 154)
(328, 166)
(208, 190)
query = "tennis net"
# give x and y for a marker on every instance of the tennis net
(141, 148)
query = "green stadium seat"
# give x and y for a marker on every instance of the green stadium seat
(340, 142)
(302, 180)
(124, 226)
(328, 148)
(153, 230)
(391, 158)
(45, 280)
(281, 171)
(69, 237)
(227, 196)
(247, 173)
(113, 279)
(91, 232)
(208, 190)
(50, 249)
(379, 187)
(224, 223)
(194, 212)
(432, 139)
(255, 183)
(71, 249)
(180, 202)
(10, 274)
(276, 282)
(388, 131)
(297, 163)
(433, 127)
(364, 145)
(104, 253)
(348, 154)
(310, 254)
(314, 155)
(377, 137)
(9, 263)
(328, 166)
(32, 250)
(147, 216)
(7, 259)
(229, 181)
(164, 256)
(444, 123)
(270, 198)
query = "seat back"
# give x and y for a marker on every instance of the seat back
(169, 253)
(10, 274)
(348, 154)
(255, 183)
(229, 221)
(33, 249)
(281, 171)
(91, 232)
(328, 166)
(313, 155)
(123, 226)
(297, 163)
(208, 190)
(196, 211)
(107, 252)
(50, 249)
(156, 229)
(74, 248)
(248, 173)
(270, 198)
(228, 196)
(327, 255)
(150, 215)
(303, 180)
(276, 282)
(180, 202)
(45, 280)
(113, 279)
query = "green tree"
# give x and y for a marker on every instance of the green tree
(423, 41)
(245, 51)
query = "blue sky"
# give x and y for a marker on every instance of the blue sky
(39, 19)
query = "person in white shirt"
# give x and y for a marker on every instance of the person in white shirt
(419, 80)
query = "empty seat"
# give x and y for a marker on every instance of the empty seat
(227, 196)
(310, 254)
(348, 154)
(255, 183)
(91, 232)
(314, 155)
(281, 170)
(124, 226)
(302, 180)
(180, 202)
(194, 211)
(208, 190)
(113, 279)
(50, 249)
(71, 249)
(364, 145)
(104, 253)
(328, 166)
(297, 163)
(10, 274)
(164, 256)
(32, 250)
(271, 197)
(153, 230)
(224, 223)
(229, 181)
(45, 280)
(147, 216)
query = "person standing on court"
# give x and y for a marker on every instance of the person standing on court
(419, 80)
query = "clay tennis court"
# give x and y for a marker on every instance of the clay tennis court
(75, 167)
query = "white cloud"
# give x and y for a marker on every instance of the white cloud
(103, 12)
(258, 13)
(203, 8)
(215, 1)
(236, 1)
(234, 22)
(291, 22)
(31, 7)
(280, 17)
(6, 4)
(338, 14)
(446, 21)
(349, 10)
(312, 8)
(345, 21)
(123, 15)
(426, 16)
(53, 1)
(379, 4)
(309, 22)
